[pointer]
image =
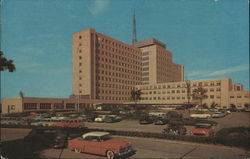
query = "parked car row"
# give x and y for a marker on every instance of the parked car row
(14, 121)
(108, 118)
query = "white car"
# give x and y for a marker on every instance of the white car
(200, 115)
(100, 118)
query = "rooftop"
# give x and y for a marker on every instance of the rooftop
(95, 133)
(149, 42)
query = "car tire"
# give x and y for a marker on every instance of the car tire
(110, 154)
(77, 150)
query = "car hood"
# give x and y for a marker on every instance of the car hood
(201, 130)
(117, 142)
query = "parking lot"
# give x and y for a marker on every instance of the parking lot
(235, 119)
(147, 148)
(152, 148)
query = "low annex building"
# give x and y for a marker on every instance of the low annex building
(221, 92)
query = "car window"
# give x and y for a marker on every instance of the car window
(92, 138)
(105, 137)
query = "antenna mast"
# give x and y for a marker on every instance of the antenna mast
(134, 30)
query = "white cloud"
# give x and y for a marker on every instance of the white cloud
(99, 6)
(207, 74)
(229, 70)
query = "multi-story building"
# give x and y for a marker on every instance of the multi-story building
(104, 68)
(221, 92)
(105, 71)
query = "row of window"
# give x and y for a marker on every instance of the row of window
(184, 85)
(116, 58)
(115, 44)
(119, 52)
(176, 98)
(239, 96)
(48, 106)
(102, 79)
(109, 92)
(120, 66)
(177, 91)
(108, 85)
(113, 98)
(102, 73)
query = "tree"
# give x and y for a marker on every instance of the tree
(21, 94)
(6, 64)
(199, 94)
(233, 107)
(213, 105)
(136, 95)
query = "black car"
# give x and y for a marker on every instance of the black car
(146, 120)
(175, 130)
(61, 141)
(161, 121)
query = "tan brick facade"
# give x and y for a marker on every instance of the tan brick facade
(104, 68)
(107, 69)
(219, 91)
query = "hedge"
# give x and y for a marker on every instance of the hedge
(238, 137)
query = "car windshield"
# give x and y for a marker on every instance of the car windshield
(203, 126)
(106, 137)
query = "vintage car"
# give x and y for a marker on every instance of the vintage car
(101, 143)
(112, 119)
(146, 120)
(200, 115)
(60, 142)
(175, 129)
(37, 123)
(69, 123)
(219, 115)
(161, 121)
(100, 118)
(202, 129)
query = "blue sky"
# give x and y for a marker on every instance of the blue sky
(209, 37)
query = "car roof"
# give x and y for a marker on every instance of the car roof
(95, 133)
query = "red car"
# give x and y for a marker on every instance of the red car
(69, 123)
(202, 129)
(101, 143)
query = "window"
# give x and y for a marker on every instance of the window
(58, 105)
(212, 96)
(30, 105)
(45, 105)
(80, 36)
(70, 105)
